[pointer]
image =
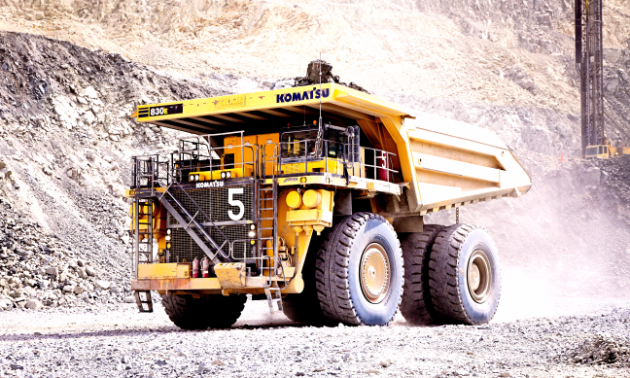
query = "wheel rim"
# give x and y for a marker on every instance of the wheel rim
(479, 276)
(375, 273)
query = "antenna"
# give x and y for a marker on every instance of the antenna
(320, 89)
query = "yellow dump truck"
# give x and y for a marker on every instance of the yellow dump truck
(313, 199)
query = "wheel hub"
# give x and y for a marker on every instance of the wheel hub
(375, 273)
(479, 276)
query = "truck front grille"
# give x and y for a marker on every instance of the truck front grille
(214, 203)
(184, 247)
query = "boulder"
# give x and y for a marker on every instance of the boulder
(90, 92)
(89, 154)
(33, 304)
(90, 271)
(4, 304)
(103, 285)
(17, 293)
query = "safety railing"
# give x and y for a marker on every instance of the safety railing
(357, 161)
(197, 154)
(149, 172)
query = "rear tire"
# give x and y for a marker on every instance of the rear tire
(214, 311)
(416, 305)
(360, 271)
(464, 275)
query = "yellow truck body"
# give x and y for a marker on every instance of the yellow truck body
(403, 169)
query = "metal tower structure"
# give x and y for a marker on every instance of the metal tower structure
(589, 58)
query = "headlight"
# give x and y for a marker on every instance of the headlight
(222, 175)
(168, 245)
(168, 232)
(311, 198)
(168, 238)
(252, 234)
(294, 200)
(253, 226)
(196, 177)
(228, 174)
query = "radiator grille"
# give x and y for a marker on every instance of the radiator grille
(184, 247)
(214, 203)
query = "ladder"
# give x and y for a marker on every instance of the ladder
(144, 301)
(274, 296)
(144, 245)
(267, 222)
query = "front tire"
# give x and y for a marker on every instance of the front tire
(359, 271)
(304, 307)
(214, 311)
(464, 275)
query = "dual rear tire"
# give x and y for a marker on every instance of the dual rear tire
(464, 275)
(452, 276)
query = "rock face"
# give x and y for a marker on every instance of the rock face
(65, 149)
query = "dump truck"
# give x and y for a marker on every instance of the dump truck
(313, 199)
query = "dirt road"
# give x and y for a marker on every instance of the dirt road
(124, 343)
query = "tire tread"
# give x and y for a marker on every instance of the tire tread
(416, 306)
(333, 288)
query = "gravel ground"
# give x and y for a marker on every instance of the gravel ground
(120, 342)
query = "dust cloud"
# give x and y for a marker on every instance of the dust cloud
(565, 246)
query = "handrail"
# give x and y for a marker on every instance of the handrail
(242, 164)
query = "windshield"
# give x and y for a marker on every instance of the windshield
(297, 144)
(591, 151)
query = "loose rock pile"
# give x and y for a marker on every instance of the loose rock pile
(37, 269)
(316, 72)
(602, 351)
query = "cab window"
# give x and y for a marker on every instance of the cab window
(298, 144)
